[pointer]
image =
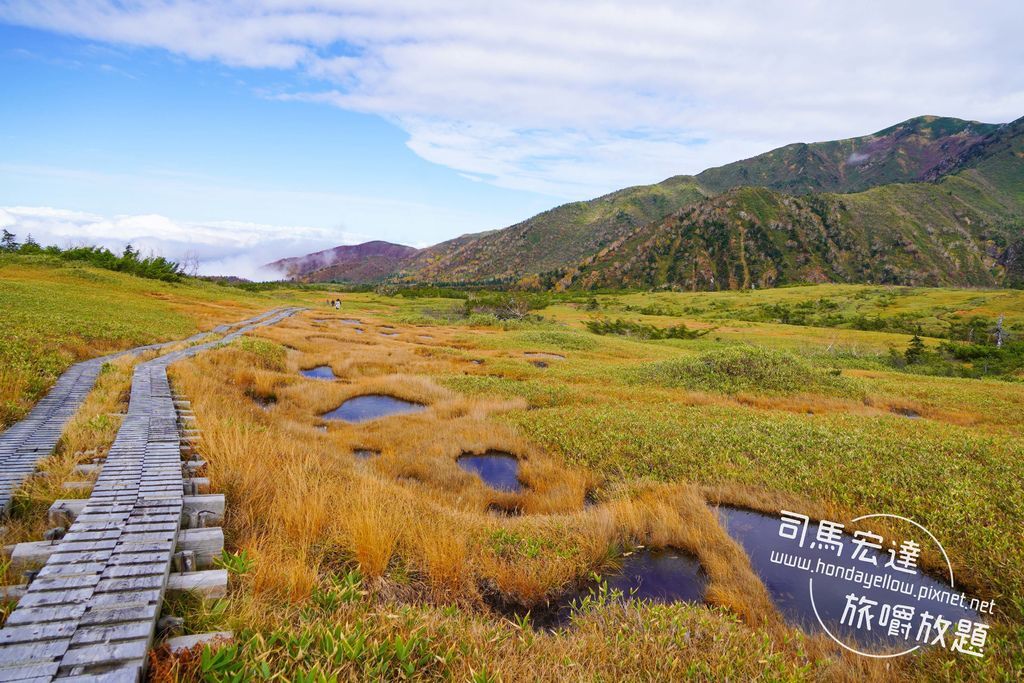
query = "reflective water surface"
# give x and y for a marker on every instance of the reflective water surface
(370, 407)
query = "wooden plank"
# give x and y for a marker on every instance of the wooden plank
(179, 643)
(207, 544)
(209, 583)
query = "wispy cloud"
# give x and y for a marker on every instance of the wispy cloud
(191, 197)
(221, 247)
(575, 97)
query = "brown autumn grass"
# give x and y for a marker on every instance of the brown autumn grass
(420, 529)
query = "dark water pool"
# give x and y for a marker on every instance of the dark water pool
(662, 576)
(498, 469)
(371, 407)
(771, 556)
(319, 372)
(364, 453)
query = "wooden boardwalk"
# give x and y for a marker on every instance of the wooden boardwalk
(90, 613)
(35, 436)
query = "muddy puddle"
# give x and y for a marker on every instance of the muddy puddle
(264, 402)
(371, 407)
(498, 469)
(786, 570)
(319, 372)
(661, 576)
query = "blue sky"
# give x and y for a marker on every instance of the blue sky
(114, 131)
(238, 131)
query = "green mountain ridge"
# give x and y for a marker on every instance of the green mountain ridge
(550, 240)
(907, 152)
(929, 201)
(963, 229)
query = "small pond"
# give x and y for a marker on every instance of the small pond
(788, 584)
(319, 372)
(662, 576)
(498, 469)
(370, 407)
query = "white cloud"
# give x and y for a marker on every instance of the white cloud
(575, 97)
(221, 247)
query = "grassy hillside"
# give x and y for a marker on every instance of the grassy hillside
(55, 313)
(552, 240)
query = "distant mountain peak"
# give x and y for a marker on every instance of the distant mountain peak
(358, 263)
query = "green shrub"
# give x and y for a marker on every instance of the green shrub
(267, 354)
(506, 305)
(745, 369)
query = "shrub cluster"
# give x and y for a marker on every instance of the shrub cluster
(628, 328)
(752, 369)
(130, 261)
(266, 354)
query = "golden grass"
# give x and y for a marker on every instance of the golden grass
(416, 525)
